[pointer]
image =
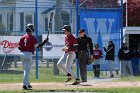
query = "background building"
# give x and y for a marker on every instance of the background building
(16, 14)
(131, 25)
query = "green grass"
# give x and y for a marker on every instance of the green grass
(103, 90)
(46, 75)
(129, 78)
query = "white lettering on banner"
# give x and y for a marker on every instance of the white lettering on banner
(99, 25)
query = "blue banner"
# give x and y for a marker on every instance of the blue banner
(102, 25)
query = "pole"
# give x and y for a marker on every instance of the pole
(36, 33)
(121, 21)
(71, 13)
(77, 65)
(126, 13)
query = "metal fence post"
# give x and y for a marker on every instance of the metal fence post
(47, 63)
(55, 69)
(77, 65)
(36, 32)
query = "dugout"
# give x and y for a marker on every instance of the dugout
(132, 37)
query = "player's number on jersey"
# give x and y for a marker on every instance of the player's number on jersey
(25, 42)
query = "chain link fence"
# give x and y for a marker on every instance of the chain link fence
(52, 15)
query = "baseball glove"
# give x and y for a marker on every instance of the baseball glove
(90, 60)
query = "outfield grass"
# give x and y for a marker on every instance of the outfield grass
(130, 78)
(46, 75)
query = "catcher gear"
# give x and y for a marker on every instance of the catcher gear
(67, 27)
(30, 28)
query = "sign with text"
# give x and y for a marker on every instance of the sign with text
(9, 45)
(103, 25)
(53, 49)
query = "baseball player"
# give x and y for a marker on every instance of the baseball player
(97, 55)
(27, 46)
(65, 62)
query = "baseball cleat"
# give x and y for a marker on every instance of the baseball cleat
(26, 88)
(30, 86)
(76, 82)
(69, 78)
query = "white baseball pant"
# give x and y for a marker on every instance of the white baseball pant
(26, 60)
(65, 63)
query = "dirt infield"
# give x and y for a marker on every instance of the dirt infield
(50, 86)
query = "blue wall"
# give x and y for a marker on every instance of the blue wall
(103, 25)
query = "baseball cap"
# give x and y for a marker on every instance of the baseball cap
(81, 30)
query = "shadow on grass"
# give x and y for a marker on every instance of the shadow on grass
(11, 72)
(80, 85)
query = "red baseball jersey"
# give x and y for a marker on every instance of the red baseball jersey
(97, 53)
(70, 41)
(27, 43)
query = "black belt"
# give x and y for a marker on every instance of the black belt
(82, 51)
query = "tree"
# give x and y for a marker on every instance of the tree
(133, 13)
(98, 3)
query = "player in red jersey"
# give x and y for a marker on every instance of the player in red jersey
(27, 47)
(97, 56)
(65, 62)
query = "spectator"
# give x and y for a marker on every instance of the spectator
(125, 56)
(110, 56)
(97, 56)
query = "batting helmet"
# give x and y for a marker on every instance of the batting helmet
(67, 27)
(30, 28)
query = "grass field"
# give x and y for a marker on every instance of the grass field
(46, 75)
(109, 90)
